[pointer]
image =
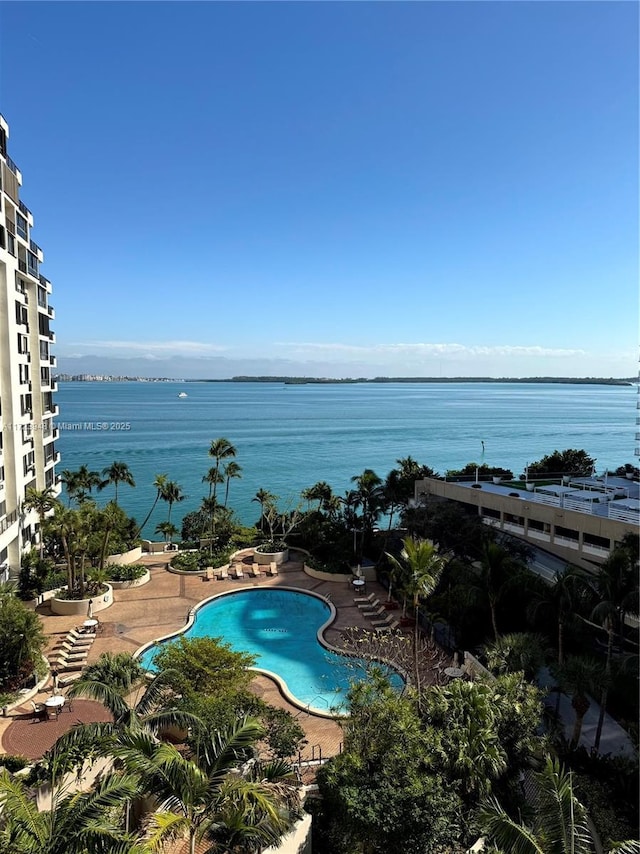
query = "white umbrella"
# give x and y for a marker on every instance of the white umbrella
(55, 681)
(90, 609)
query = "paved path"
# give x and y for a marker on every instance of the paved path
(28, 736)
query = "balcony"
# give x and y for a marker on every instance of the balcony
(22, 266)
(12, 166)
(24, 209)
(11, 227)
(33, 246)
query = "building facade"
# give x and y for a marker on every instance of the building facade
(580, 532)
(27, 410)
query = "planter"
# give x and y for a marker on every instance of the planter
(629, 475)
(265, 558)
(496, 479)
(131, 556)
(80, 607)
(137, 582)
(530, 487)
(566, 478)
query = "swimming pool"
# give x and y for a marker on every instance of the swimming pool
(281, 628)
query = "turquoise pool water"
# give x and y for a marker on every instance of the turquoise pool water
(280, 628)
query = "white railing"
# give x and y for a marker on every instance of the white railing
(552, 500)
(539, 535)
(566, 541)
(578, 506)
(623, 514)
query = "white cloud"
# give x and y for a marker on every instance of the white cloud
(424, 350)
(160, 348)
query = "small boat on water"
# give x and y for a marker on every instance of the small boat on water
(183, 394)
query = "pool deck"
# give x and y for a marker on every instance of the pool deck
(142, 614)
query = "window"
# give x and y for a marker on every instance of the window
(11, 244)
(3, 240)
(23, 344)
(32, 264)
(44, 349)
(21, 226)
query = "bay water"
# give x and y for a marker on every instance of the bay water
(288, 437)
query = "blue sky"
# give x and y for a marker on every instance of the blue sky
(332, 189)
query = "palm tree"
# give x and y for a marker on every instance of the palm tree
(231, 469)
(172, 494)
(211, 477)
(264, 498)
(86, 481)
(167, 529)
(320, 492)
(578, 676)
(559, 824)
(519, 651)
(159, 484)
(495, 570)
(210, 795)
(558, 599)
(75, 824)
(108, 519)
(116, 474)
(369, 496)
(42, 501)
(70, 480)
(420, 571)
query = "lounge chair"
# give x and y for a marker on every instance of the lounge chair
(80, 633)
(273, 568)
(224, 573)
(208, 574)
(385, 622)
(370, 606)
(372, 615)
(387, 627)
(239, 572)
(65, 655)
(364, 599)
(69, 679)
(67, 666)
(255, 570)
(71, 646)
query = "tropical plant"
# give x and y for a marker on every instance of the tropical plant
(42, 501)
(369, 496)
(572, 462)
(264, 499)
(558, 599)
(519, 651)
(203, 666)
(76, 823)
(172, 493)
(167, 529)
(21, 641)
(559, 823)
(419, 570)
(212, 794)
(116, 474)
(230, 470)
(493, 573)
(159, 484)
(578, 676)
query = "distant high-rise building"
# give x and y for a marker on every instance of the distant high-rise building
(27, 439)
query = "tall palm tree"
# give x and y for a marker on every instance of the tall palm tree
(43, 502)
(369, 496)
(116, 474)
(209, 795)
(70, 480)
(86, 481)
(172, 493)
(559, 824)
(75, 824)
(231, 470)
(107, 519)
(578, 676)
(420, 570)
(211, 477)
(220, 449)
(159, 484)
(264, 498)
(494, 572)
(559, 600)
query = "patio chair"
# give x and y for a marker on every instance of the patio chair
(208, 575)
(387, 620)
(65, 646)
(65, 681)
(273, 568)
(255, 570)
(239, 572)
(364, 599)
(372, 615)
(39, 710)
(68, 666)
(370, 606)
(224, 573)
(81, 632)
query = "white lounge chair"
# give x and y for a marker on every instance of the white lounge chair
(224, 573)
(239, 572)
(365, 599)
(373, 614)
(273, 568)
(255, 570)
(370, 606)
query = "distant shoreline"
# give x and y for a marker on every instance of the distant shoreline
(624, 381)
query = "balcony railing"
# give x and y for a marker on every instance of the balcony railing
(12, 166)
(33, 246)
(25, 210)
(9, 519)
(22, 266)
(11, 226)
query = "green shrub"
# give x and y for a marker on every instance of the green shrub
(14, 763)
(271, 547)
(335, 567)
(127, 572)
(186, 562)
